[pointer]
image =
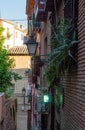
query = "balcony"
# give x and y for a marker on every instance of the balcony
(37, 25)
(40, 13)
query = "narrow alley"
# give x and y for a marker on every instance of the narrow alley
(21, 114)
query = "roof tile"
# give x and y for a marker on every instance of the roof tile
(18, 50)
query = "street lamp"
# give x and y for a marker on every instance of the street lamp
(31, 45)
(23, 93)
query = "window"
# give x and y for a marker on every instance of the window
(8, 30)
(16, 34)
(71, 14)
(8, 46)
(71, 11)
(68, 10)
(20, 26)
(22, 37)
(45, 46)
(8, 33)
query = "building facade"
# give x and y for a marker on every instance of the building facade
(22, 66)
(16, 33)
(69, 115)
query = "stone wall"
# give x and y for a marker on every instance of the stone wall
(8, 119)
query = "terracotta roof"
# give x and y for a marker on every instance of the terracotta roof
(18, 50)
(4, 20)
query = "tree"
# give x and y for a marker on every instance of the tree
(6, 65)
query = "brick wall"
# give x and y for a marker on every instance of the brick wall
(74, 83)
(73, 112)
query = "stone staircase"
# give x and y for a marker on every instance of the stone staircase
(21, 114)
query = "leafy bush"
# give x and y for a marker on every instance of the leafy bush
(6, 64)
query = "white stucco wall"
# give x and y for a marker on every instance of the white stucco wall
(10, 41)
(13, 29)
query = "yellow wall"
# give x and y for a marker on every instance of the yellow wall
(22, 64)
(22, 61)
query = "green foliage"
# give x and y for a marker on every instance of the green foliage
(2, 38)
(58, 97)
(8, 36)
(61, 57)
(6, 73)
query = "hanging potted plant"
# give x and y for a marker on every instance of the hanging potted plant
(61, 58)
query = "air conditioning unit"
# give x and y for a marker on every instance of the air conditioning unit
(2, 106)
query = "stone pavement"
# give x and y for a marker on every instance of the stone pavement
(21, 115)
(21, 120)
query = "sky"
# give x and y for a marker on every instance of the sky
(13, 10)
